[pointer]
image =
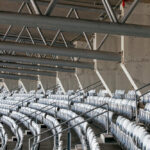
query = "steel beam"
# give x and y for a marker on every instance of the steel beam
(42, 61)
(50, 7)
(36, 67)
(35, 6)
(16, 77)
(98, 8)
(13, 37)
(74, 25)
(69, 52)
(27, 72)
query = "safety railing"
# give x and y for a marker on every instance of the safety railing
(88, 88)
(35, 112)
(70, 127)
(22, 102)
(55, 87)
(29, 98)
(85, 90)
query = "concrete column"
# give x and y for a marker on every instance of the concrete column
(111, 72)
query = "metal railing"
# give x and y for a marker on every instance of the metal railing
(28, 98)
(55, 87)
(23, 101)
(67, 121)
(88, 88)
(35, 112)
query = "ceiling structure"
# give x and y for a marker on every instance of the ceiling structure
(25, 43)
(37, 36)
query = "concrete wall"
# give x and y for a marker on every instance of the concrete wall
(68, 81)
(136, 60)
(137, 50)
(109, 70)
(136, 56)
(86, 76)
(29, 84)
(11, 84)
(48, 82)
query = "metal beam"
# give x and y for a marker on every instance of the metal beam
(124, 19)
(74, 25)
(35, 6)
(69, 52)
(97, 8)
(27, 72)
(13, 37)
(36, 67)
(16, 77)
(42, 61)
(50, 7)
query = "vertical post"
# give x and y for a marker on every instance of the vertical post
(69, 132)
(29, 143)
(69, 138)
(55, 141)
(137, 106)
(107, 119)
(35, 116)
